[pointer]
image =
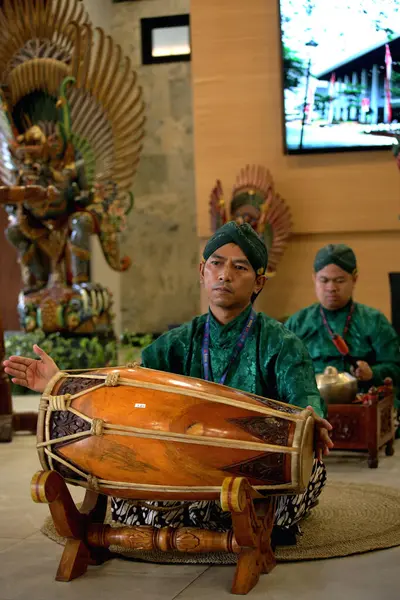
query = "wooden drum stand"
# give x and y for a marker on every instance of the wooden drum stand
(89, 539)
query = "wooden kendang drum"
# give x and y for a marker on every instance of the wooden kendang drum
(147, 435)
(130, 432)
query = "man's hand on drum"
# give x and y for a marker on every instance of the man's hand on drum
(29, 372)
(323, 442)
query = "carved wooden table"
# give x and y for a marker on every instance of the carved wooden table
(366, 426)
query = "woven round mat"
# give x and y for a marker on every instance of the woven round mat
(349, 519)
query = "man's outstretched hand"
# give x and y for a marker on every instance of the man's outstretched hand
(29, 372)
(323, 443)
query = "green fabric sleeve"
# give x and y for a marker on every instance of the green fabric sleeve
(290, 323)
(167, 353)
(295, 376)
(155, 356)
(385, 343)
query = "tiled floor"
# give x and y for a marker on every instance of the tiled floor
(28, 560)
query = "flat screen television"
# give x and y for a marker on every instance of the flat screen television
(340, 74)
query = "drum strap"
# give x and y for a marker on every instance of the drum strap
(205, 350)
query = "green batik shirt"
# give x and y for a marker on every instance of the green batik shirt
(370, 337)
(273, 362)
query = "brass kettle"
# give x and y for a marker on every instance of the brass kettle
(335, 387)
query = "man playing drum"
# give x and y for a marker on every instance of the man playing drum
(231, 345)
(342, 333)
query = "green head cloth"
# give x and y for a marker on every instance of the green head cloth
(246, 238)
(336, 254)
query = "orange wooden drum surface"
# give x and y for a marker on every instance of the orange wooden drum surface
(139, 433)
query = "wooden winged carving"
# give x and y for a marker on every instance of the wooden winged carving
(71, 133)
(253, 200)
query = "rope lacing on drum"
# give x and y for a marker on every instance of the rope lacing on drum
(93, 482)
(111, 380)
(97, 427)
(55, 402)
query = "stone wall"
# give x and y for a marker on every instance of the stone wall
(161, 287)
(101, 13)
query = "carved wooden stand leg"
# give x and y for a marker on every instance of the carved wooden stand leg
(25, 421)
(253, 520)
(6, 428)
(88, 539)
(389, 448)
(10, 421)
(388, 416)
(50, 487)
(372, 425)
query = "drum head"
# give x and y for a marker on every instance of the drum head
(307, 453)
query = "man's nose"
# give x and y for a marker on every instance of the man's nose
(226, 273)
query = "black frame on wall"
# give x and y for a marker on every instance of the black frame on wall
(147, 26)
(394, 280)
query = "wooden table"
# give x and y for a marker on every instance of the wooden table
(368, 425)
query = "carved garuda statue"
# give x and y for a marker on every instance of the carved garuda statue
(254, 201)
(71, 131)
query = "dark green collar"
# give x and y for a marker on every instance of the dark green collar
(221, 335)
(338, 312)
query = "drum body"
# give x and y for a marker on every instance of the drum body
(145, 434)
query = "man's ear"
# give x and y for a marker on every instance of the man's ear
(201, 271)
(260, 282)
